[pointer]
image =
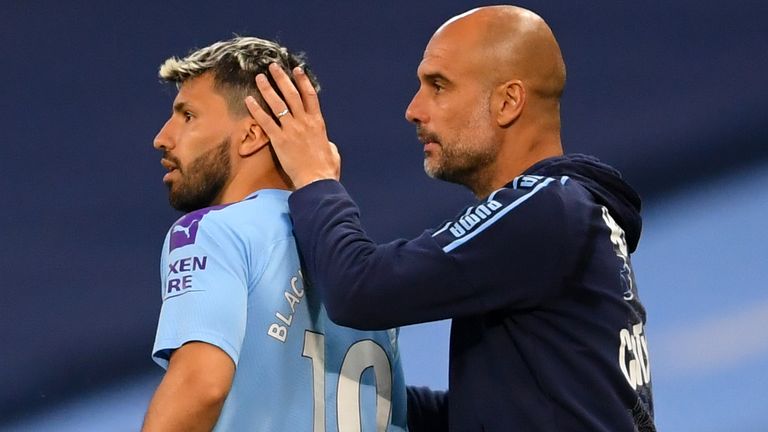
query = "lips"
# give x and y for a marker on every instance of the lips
(430, 142)
(171, 167)
(427, 138)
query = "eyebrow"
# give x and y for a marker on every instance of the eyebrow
(180, 107)
(435, 76)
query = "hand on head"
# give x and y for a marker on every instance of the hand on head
(298, 138)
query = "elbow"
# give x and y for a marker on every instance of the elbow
(345, 314)
(209, 390)
(215, 395)
(349, 311)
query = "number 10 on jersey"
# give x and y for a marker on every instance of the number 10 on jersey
(360, 356)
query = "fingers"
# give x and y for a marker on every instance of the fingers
(263, 119)
(290, 94)
(301, 101)
(308, 92)
(275, 103)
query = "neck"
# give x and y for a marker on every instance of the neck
(253, 174)
(511, 161)
(238, 190)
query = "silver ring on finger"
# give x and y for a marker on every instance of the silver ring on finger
(282, 113)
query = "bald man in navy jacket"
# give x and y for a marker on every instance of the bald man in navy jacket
(547, 328)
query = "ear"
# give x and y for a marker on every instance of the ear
(509, 101)
(253, 140)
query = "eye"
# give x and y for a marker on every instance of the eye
(438, 86)
(187, 116)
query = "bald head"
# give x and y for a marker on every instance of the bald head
(511, 43)
(488, 104)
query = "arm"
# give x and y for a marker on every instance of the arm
(370, 286)
(200, 328)
(427, 410)
(514, 258)
(192, 391)
(507, 252)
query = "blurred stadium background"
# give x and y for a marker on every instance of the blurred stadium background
(673, 93)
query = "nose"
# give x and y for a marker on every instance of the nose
(162, 139)
(415, 112)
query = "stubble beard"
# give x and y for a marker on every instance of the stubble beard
(464, 160)
(459, 163)
(202, 181)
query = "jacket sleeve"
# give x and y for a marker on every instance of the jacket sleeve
(427, 409)
(506, 251)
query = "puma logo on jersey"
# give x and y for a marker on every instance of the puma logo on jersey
(476, 219)
(474, 216)
(184, 231)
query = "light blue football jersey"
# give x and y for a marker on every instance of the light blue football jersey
(231, 277)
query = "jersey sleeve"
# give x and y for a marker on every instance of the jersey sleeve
(204, 291)
(504, 252)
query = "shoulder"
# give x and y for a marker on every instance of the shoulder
(188, 228)
(523, 193)
(261, 217)
(560, 196)
(528, 185)
(528, 202)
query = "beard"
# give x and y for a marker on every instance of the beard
(202, 181)
(463, 159)
(459, 163)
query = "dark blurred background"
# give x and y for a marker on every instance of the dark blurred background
(673, 93)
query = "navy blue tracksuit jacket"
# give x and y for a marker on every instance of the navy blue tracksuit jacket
(547, 329)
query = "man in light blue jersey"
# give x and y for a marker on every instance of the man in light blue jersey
(246, 344)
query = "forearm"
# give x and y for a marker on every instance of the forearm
(182, 406)
(495, 255)
(193, 390)
(365, 285)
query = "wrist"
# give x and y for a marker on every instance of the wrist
(304, 181)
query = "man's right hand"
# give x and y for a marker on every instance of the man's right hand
(298, 137)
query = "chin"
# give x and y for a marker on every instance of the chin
(430, 171)
(431, 167)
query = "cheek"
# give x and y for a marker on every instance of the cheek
(456, 113)
(478, 116)
(191, 143)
